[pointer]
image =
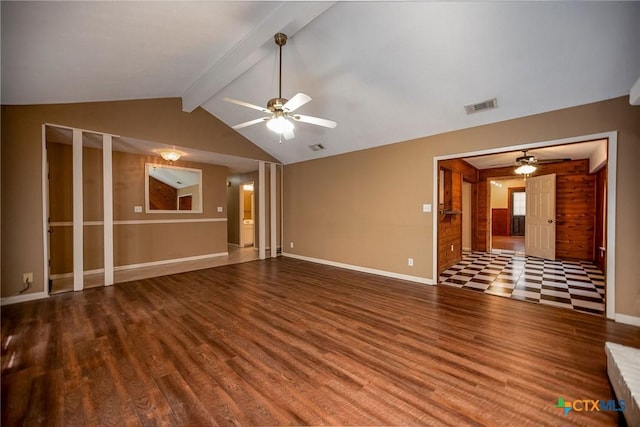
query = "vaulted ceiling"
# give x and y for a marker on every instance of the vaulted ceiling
(385, 71)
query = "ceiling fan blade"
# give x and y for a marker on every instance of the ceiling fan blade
(250, 122)
(246, 104)
(315, 121)
(298, 100)
(543, 161)
(289, 134)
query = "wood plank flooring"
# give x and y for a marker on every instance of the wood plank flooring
(286, 342)
(512, 243)
(236, 255)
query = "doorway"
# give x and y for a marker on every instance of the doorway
(247, 214)
(507, 220)
(604, 160)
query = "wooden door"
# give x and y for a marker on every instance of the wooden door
(540, 236)
(185, 202)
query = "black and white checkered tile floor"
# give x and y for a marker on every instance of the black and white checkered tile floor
(576, 285)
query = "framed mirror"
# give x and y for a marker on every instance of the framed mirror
(172, 189)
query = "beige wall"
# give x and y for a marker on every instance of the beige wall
(500, 195)
(364, 208)
(160, 120)
(135, 243)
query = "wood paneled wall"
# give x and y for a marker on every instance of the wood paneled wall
(468, 172)
(162, 197)
(500, 221)
(600, 239)
(575, 207)
(575, 213)
(450, 225)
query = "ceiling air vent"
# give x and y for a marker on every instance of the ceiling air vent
(316, 147)
(481, 106)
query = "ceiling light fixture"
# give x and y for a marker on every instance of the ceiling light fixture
(279, 124)
(170, 155)
(525, 169)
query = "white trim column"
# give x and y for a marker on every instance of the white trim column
(45, 210)
(262, 223)
(78, 215)
(273, 230)
(610, 281)
(107, 191)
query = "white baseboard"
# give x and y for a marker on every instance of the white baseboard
(362, 269)
(23, 298)
(141, 265)
(70, 275)
(169, 261)
(627, 320)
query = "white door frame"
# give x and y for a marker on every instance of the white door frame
(45, 211)
(612, 163)
(241, 213)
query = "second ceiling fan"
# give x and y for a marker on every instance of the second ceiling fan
(281, 110)
(526, 164)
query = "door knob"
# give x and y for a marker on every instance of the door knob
(551, 221)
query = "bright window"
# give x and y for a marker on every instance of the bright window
(519, 204)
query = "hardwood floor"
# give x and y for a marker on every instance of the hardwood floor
(287, 342)
(512, 243)
(236, 255)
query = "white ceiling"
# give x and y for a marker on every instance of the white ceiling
(385, 71)
(177, 178)
(578, 151)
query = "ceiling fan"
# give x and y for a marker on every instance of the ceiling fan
(281, 110)
(526, 163)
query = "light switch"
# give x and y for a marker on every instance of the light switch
(426, 207)
(137, 209)
(219, 208)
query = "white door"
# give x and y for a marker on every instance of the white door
(540, 234)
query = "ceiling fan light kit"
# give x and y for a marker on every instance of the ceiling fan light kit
(526, 164)
(280, 125)
(280, 108)
(525, 169)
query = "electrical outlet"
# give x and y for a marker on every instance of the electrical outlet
(27, 277)
(291, 245)
(451, 248)
(410, 262)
